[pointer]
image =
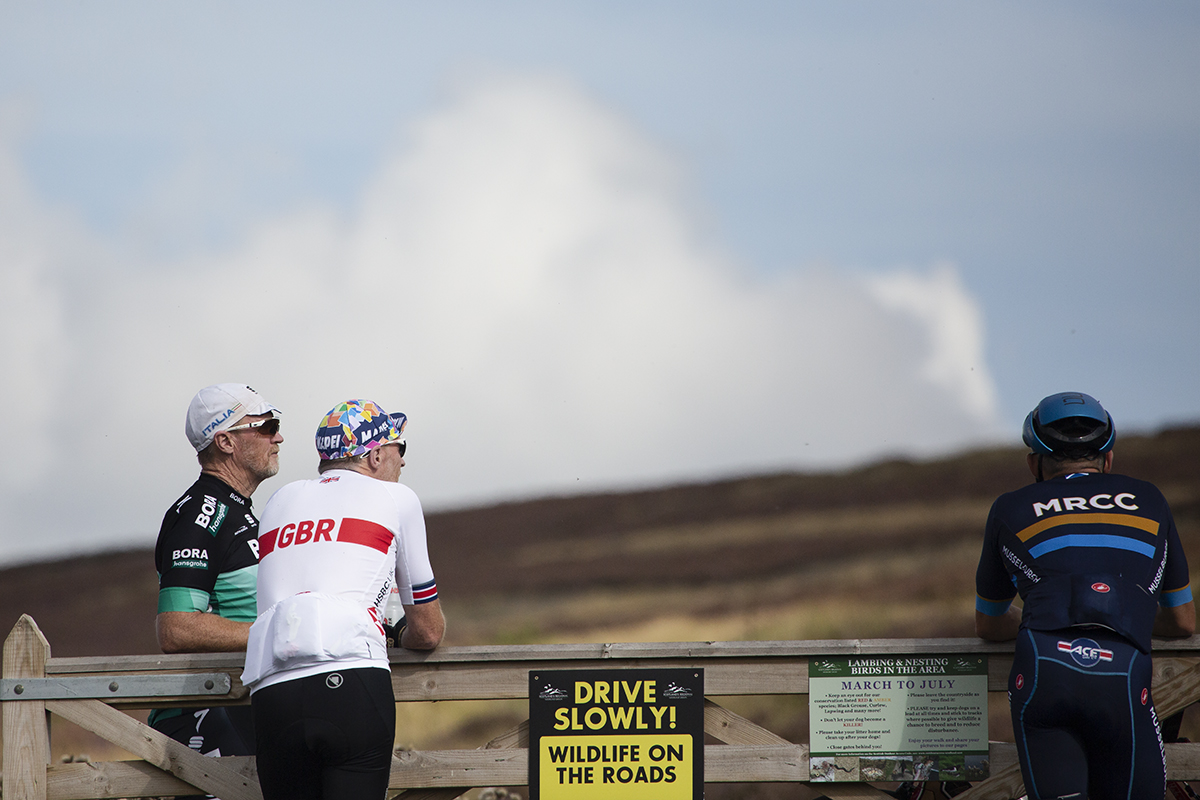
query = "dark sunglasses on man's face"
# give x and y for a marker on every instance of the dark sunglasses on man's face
(268, 427)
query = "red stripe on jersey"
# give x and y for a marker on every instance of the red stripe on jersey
(266, 543)
(424, 594)
(364, 532)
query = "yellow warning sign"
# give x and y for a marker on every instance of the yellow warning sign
(608, 734)
(634, 767)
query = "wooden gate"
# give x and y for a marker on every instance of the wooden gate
(91, 692)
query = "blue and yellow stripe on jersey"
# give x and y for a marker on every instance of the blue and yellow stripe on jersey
(1175, 597)
(1125, 540)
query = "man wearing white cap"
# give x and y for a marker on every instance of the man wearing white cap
(207, 553)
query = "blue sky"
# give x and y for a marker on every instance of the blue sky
(585, 245)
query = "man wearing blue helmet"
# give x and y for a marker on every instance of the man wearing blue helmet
(1099, 567)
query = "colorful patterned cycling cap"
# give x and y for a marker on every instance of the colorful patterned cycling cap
(355, 428)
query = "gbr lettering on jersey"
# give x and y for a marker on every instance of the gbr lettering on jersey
(347, 530)
(304, 532)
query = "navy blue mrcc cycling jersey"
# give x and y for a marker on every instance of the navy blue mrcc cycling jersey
(1083, 549)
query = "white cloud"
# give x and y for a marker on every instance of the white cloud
(953, 320)
(526, 278)
(33, 346)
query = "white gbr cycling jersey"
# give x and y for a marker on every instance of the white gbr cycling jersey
(329, 551)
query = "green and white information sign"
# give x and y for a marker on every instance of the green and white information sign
(895, 719)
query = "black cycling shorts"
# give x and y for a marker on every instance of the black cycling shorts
(327, 736)
(1083, 717)
(219, 731)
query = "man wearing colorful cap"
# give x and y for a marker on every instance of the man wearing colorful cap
(207, 553)
(332, 548)
(1097, 561)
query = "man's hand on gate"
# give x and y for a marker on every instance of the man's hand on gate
(393, 633)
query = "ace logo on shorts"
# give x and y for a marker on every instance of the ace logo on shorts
(1085, 652)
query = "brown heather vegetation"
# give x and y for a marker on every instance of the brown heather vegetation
(885, 550)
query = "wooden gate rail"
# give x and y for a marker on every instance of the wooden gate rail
(749, 753)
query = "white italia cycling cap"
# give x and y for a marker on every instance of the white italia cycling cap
(218, 407)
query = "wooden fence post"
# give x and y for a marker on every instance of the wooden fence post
(26, 732)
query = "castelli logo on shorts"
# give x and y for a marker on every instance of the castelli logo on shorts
(1085, 652)
(1102, 588)
(1145, 696)
(1020, 681)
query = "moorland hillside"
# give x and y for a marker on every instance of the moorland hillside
(884, 550)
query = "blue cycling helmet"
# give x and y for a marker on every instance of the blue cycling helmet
(1069, 423)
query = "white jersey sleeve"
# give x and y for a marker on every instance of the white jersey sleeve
(414, 573)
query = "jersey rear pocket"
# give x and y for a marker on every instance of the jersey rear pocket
(310, 628)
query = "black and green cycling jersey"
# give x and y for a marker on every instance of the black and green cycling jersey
(207, 554)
